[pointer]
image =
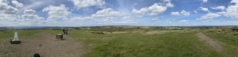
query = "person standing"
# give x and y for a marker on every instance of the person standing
(65, 31)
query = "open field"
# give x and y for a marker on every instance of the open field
(123, 42)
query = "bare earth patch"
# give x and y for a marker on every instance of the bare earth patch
(210, 42)
(46, 45)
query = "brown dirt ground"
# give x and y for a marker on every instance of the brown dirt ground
(210, 42)
(46, 45)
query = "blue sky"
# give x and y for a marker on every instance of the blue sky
(118, 12)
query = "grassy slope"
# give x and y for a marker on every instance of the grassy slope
(231, 43)
(172, 44)
(9, 34)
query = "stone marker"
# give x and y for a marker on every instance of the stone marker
(59, 36)
(15, 40)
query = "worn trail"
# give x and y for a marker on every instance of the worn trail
(46, 45)
(210, 42)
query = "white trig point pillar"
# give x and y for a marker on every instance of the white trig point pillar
(15, 40)
(15, 37)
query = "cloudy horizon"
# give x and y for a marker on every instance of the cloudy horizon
(118, 12)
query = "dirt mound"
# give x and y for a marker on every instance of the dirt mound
(46, 45)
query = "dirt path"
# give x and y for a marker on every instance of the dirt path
(46, 45)
(210, 42)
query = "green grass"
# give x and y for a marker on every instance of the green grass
(9, 34)
(173, 44)
(230, 41)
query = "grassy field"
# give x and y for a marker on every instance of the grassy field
(144, 43)
(173, 43)
(229, 39)
(6, 34)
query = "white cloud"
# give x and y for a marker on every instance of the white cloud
(209, 16)
(219, 8)
(6, 9)
(16, 3)
(185, 13)
(87, 3)
(204, 9)
(105, 16)
(204, 1)
(175, 13)
(56, 12)
(232, 10)
(80, 18)
(29, 11)
(168, 3)
(155, 9)
(29, 14)
(234, 1)
(108, 12)
(141, 11)
(7, 12)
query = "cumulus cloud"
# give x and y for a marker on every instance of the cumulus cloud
(232, 10)
(29, 14)
(209, 16)
(56, 12)
(168, 3)
(185, 13)
(141, 11)
(6, 11)
(219, 8)
(107, 15)
(108, 12)
(16, 3)
(87, 3)
(204, 9)
(234, 1)
(155, 9)
(175, 13)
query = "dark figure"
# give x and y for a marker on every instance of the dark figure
(36, 55)
(65, 31)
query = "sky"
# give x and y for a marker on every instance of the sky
(118, 12)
